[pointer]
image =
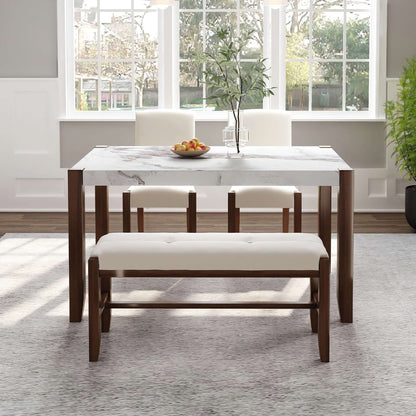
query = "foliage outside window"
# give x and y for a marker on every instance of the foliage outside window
(328, 55)
(119, 54)
(116, 55)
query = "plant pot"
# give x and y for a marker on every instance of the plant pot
(410, 205)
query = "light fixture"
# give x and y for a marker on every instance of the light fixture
(275, 3)
(161, 4)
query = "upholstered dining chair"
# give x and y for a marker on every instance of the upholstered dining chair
(161, 128)
(266, 128)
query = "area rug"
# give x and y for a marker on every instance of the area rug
(207, 362)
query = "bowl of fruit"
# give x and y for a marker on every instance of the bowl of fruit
(190, 148)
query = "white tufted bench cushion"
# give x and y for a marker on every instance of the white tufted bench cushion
(209, 251)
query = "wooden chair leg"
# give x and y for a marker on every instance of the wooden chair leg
(94, 321)
(285, 220)
(191, 213)
(140, 220)
(314, 289)
(237, 220)
(106, 314)
(323, 327)
(126, 212)
(231, 212)
(297, 214)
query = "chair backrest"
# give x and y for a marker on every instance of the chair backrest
(163, 127)
(268, 127)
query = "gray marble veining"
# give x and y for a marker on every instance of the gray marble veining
(157, 165)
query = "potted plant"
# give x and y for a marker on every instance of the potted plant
(401, 133)
(232, 83)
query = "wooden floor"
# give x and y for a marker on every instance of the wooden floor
(54, 222)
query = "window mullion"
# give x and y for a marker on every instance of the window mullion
(267, 54)
(311, 62)
(99, 55)
(133, 61)
(344, 59)
(204, 47)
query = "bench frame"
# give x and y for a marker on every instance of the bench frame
(100, 304)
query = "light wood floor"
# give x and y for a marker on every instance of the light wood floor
(45, 222)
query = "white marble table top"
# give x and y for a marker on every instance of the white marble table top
(157, 165)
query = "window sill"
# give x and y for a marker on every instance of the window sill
(220, 116)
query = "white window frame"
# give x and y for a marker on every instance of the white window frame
(274, 28)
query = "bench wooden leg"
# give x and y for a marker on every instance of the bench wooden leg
(323, 326)
(314, 288)
(94, 321)
(191, 213)
(106, 314)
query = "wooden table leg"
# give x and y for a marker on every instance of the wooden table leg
(324, 217)
(76, 241)
(102, 228)
(345, 245)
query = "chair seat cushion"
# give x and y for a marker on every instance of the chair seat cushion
(209, 251)
(160, 196)
(264, 196)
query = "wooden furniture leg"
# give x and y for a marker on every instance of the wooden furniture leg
(314, 295)
(126, 213)
(231, 213)
(323, 326)
(94, 295)
(102, 228)
(324, 217)
(76, 241)
(140, 220)
(345, 245)
(285, 220)
(297, 214)
(191, 213)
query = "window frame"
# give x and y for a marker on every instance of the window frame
(274, 28)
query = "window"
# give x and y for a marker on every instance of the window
(196, 22)
(324, 55)
(328, 55)
(116, 55)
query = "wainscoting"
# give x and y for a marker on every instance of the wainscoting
(32, 179)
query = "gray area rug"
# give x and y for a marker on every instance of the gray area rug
(207, 362)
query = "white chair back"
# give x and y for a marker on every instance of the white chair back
(268, 127)
(163, 127)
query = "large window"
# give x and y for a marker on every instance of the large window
(197, 19)
(128, 56)
(116, 55)
(328, 55)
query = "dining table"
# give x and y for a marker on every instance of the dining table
(316, 166)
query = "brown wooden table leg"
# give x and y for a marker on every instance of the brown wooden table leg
(102, 228)
(324, 217)
(345, 245)
(76, 244)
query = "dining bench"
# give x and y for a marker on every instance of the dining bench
(199, 255)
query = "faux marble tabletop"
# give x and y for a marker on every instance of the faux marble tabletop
(266, 165)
